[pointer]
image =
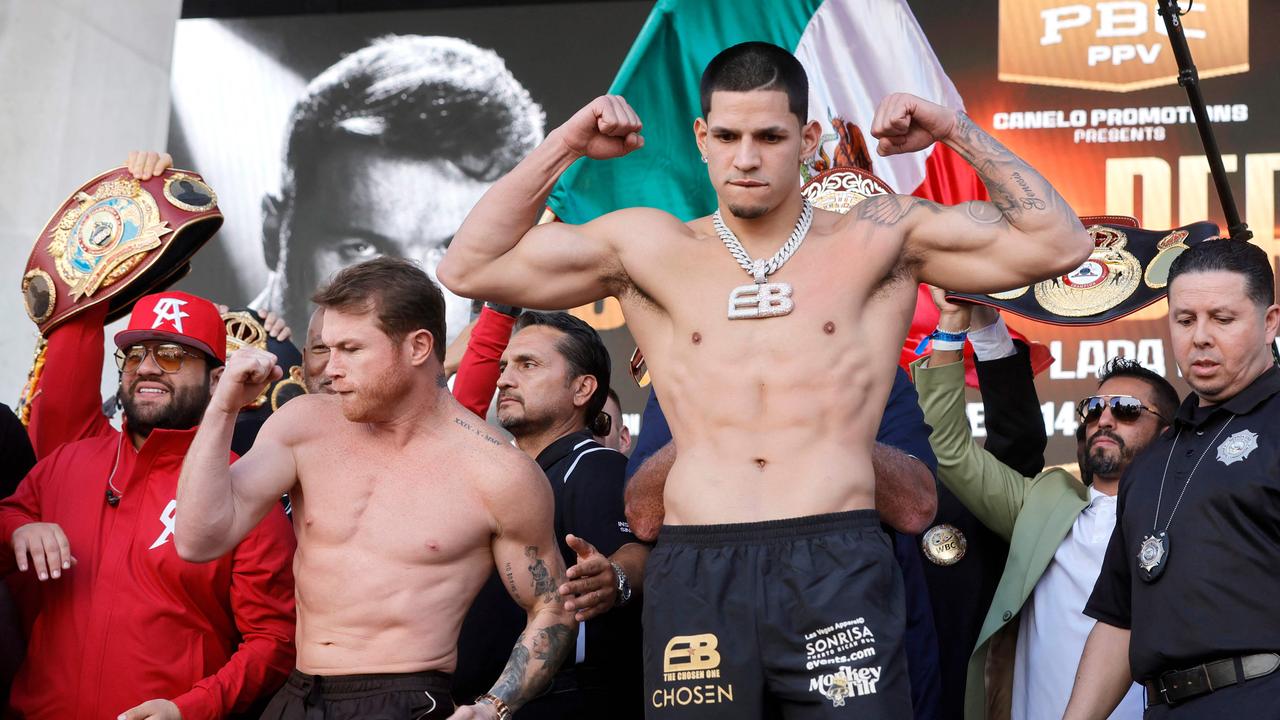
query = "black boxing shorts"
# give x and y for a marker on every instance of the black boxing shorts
(799, 618)
(401, 696)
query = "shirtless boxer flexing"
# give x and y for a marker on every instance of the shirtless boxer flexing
(402, 502)
(771, 583)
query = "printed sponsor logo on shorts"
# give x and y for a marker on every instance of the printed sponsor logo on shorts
(837, 650)
(688, 661)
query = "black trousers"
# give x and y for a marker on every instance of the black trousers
(407, 696)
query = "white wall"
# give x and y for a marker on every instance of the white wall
(81, 83)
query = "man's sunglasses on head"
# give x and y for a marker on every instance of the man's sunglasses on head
(168, 357)
(1125, 408)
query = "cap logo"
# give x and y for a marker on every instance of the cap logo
(170, 310)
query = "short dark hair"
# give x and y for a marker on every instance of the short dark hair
(757, 66)
(584, 351)
(424, 97)
(1166, 398)
(613, 395)
(397, 291)
(1242, 258)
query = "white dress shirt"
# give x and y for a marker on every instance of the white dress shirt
(1054, 627)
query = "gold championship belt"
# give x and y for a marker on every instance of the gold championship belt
(114, 240)
(1127, 271)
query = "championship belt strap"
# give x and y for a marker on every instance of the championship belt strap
(1127, 271)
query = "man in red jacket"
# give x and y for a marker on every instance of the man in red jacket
(125, 628)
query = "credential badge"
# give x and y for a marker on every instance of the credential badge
(1237, 447)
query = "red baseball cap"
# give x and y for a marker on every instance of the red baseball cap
(178, 317)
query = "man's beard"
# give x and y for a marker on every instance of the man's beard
(1100, 463)
(371, 401)
(523, 424)
(184, 410)
(748, 212)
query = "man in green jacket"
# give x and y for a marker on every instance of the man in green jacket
(1057, 527)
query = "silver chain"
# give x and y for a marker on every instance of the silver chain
(1155, 521)
(760, 269)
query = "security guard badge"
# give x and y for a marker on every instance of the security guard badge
(943, 544)
(1237, 447)
(1152, 554)
(105, 236)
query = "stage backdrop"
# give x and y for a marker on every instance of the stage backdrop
(1084, 90)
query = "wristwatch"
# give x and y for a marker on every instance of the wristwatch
(508, 310)
(504, 711)
(624, 586)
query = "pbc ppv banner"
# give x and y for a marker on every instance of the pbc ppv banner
(1087, 92)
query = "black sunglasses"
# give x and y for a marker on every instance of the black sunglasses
(1125, 408)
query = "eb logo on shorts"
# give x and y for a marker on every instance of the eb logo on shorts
(692, 663)
(691, 652)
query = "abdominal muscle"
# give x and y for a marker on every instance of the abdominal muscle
(359, 614)
(770, 451)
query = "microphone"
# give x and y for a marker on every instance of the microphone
(112, 498)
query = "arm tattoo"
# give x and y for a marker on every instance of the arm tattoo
(889, 210)
(511, 580)
(550, 646)
(509, 682)
(543, 585)
(477, 431)
(1015, 187)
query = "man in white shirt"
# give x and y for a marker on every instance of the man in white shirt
(1057, 526)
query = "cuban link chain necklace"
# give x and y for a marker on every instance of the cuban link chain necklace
(763, 299)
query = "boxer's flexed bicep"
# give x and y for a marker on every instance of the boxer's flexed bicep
(556, 265)
(1026, 233)
(498, 254)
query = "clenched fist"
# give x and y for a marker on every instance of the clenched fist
(606, 128)
(905, 123)
(249, 371)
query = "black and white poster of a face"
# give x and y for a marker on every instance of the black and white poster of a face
(335, 138)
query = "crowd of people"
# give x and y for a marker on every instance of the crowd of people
(800, 530)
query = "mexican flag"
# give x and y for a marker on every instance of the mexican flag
(855, 52)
